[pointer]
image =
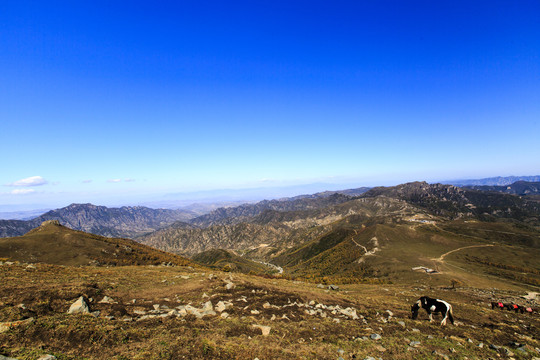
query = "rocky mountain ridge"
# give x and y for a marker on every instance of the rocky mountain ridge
(126, 221)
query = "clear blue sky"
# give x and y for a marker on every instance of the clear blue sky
(108, 98)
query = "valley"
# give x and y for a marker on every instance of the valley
(328, 276)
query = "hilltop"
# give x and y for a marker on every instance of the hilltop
(52, 243)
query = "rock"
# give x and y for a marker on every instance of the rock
(230, 286)
(341, 351)
(156, 306)
(436, 353)
(333, 287)
(375, 337)
(390, 314)
(224, 315)
(480, 345)
(320, 286)
(507, 352)
(414, 344)
(2, 357)
(255, 312)
(265, 330)
(523, 349)
(107, 300)
(402, 323)
(336, 320)
(204, 296)
(5, 326)
(349, 313)
(47, 357)
(494, 347)
(207, 306)
(380, 348)
(222, 306)
(79, 307)
(415, 330)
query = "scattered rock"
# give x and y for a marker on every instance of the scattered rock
(5, 326)
(481, 345)
(507, 352)
(402, 323)
(414, 344)
(265, 330)
(390, 314)
(494, 347)
(333, 287)
(47, 357)
(107, 300)
(436, 353)
(224, 315)
(415, 330)
(380, 348)
(375, 337)
(320, 286)
(79, 307)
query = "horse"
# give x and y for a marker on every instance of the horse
(497, 305)
(433, 306)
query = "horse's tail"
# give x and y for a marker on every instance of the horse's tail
(451, 314)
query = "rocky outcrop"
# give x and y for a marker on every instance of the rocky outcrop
(127, 221)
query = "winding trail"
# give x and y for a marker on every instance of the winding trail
(441, 258)
(368, 253)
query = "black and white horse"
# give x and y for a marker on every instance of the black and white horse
(433, 306)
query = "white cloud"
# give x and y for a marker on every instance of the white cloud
(129, 180)
(114, 180)
(86, 181)
(30, 181)
(22, 191)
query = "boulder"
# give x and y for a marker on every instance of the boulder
(79, 307)
(265, 330)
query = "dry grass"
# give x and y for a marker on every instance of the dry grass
(48, 290)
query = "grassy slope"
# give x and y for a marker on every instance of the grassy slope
(221, 259)
(56, 244)
(48, 290)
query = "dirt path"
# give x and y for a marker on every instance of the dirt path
(368, 253)
(441, 258)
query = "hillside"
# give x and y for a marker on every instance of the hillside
(225, 260)
(52, 243)
(272, 230)
(454, 202)
(126, 221)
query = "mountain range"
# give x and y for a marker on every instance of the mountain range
(126, 221)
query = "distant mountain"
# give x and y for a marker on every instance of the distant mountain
(517, 188)
(238, 214)
(497, 181)
(455, 202)
(53, 243)
(126, 221)
(341, 238)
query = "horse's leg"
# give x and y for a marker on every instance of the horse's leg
(430, 317)
(443, 322)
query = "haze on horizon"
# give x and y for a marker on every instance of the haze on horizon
(131, 101)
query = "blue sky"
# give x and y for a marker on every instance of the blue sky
(117, 102)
